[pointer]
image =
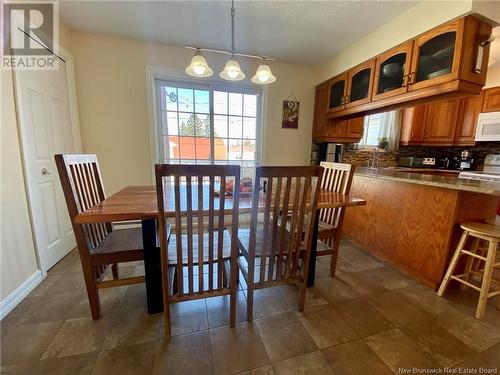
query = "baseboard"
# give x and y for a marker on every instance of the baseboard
(14, 298)
(126, 224)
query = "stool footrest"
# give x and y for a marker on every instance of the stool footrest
(473, 254)
(494, 293)
(457, 278)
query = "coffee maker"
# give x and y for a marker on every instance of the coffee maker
(465, 160)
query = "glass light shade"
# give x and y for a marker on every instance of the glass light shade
(263, 75)
(199, 67)
(232, 71)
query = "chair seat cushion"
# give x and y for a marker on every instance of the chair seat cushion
(226, 247)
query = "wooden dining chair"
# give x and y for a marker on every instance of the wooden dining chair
(273, 253)
(100, 247)
(202, 250)
(337, 177)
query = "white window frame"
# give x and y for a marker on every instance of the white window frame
(156, 74)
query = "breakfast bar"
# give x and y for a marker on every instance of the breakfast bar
(411, 219)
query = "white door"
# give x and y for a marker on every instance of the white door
(45, 127)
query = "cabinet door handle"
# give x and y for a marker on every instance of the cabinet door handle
(347, 97)
(405, 80)
(412, 78)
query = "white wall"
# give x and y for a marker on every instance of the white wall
(111, 88)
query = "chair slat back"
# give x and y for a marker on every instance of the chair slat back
(291, 195)
(337, 177)
(198, 192)
(82, 186)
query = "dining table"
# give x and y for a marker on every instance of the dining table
(139, 203)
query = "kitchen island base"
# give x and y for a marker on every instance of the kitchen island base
(413, 226)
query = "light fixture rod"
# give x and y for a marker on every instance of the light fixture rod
(232, 26)
(264, 58)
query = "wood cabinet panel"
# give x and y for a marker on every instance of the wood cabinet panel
(355, 127)
(465, 131)
(491, 100)
(412, 226)
(320, 105)
(413, 125)
(440, 122)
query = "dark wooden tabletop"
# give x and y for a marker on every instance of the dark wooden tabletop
(140, 202)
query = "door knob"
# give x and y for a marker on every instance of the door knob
(45, 172)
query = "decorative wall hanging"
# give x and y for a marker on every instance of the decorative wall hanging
(290, 118)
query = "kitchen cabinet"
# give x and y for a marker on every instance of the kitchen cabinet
(470, 108)
(436, 66)
(360, 83)
(337, 91)
(319, 119)
(440, 123)
(436, 56)
(325, 130)
(392, 70)
(448, 123)
(491, 100)
(413, 125)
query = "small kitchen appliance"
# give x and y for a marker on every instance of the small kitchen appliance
(410, 162)
(466, 160)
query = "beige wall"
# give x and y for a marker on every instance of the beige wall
(111, 89)
(17, 249)
(17, 252)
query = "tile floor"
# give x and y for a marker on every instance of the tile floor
(370, 319)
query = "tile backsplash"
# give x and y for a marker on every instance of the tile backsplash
(390, 158)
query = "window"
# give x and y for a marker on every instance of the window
(204, 124)
(379, 126)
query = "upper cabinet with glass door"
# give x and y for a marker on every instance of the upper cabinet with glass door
(447, 62)
(436, 56)
(392, 70)
(360, 83)
(337, 91)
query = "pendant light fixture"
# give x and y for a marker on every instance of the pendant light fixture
(232, 70)
(199, 67)
(263, 75)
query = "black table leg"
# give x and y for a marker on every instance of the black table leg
(152, 267)
(314, 249)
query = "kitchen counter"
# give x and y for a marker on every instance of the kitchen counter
(420, 177)
(412, 220)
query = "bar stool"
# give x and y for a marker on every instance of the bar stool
(476, 255)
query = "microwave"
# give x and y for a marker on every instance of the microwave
(488, 127)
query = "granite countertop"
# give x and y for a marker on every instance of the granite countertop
(447, 182)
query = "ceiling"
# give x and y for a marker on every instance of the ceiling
(303, 32)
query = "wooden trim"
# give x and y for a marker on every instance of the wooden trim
(120, 282)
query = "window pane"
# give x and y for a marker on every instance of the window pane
(201, 125)
(172, 125)
(249, 127)
(220, 149)
(172, 142)
(201, 100)
(185, 100)
(220, 126)
(202, 148)
(250, 105)
(187, 148)
(220, 102)
(248, 150)
(235, 127)
(235, 104)
(171, 98)
(234, 149)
